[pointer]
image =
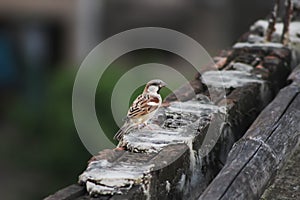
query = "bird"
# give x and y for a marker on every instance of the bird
(142, 109)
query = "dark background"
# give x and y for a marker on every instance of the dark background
(42, 44)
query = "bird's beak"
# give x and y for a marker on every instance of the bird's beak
(162, 84)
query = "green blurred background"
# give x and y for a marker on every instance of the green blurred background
(42, 44)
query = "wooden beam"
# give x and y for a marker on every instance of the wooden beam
(256, 158)
(166, 162)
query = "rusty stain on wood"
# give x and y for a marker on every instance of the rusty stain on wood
(272, 21)
(287, 20)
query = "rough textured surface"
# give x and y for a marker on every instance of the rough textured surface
(177, 163)
(255, 159)
(70, 192)
(180, 124)
(287, 183)
(187, 123)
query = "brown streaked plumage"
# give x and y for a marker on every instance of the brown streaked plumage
(142, 109)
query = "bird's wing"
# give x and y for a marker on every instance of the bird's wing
(143, 105)
(126, 128)
(121, 132)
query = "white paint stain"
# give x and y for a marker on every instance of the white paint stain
(242, 67)
(181, 182)
(103, 177)
(229, 79)
(168, 186)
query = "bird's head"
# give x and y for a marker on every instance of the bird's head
(154, 86)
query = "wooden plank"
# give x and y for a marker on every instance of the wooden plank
(268, 158)
(255, 159)
(167, 162)
(243, 106)
(68, 193)
(287, 182)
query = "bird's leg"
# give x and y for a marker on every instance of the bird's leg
(120, 146)
(165, 104)
(140, 126)
(119, 149)
(144, 125)
(148, 126)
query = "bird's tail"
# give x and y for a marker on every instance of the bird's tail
(126, 128)
(119, 134)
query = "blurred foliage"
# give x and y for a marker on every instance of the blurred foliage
(46, 131)
(47, 136)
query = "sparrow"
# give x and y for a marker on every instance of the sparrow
(142, 109)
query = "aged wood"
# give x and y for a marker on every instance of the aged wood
(255, 159)
(272, 21)
(244, 102)
(169, 162)
(287, 182)
(287, 20)
(68, 193)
